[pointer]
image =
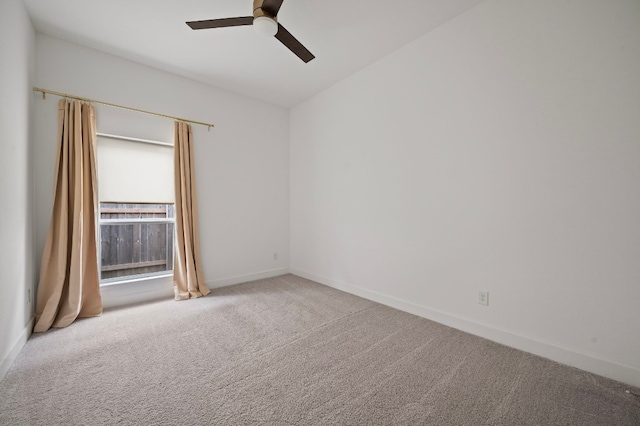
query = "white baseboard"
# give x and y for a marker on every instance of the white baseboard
(622, 373)
(223, 282)
(7, 362)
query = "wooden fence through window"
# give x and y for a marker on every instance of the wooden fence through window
(135, 247)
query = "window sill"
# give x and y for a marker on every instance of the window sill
(133, 280)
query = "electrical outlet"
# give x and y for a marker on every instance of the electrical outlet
(275, 256)
(483, 298)
(28, 296)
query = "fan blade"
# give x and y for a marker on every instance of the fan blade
(293, 44)
(272, 6)
(219, 23)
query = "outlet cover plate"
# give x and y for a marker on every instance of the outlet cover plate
(483, 298)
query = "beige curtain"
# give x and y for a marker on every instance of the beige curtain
(188, 279)
(69, 281)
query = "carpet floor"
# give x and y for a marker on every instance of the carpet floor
(288, 351)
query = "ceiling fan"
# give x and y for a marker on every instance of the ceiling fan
(265, 22)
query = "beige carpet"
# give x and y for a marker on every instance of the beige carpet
(288, 351)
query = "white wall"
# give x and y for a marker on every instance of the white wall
(17, 56)
(500, 152)
(241, 164)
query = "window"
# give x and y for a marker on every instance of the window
(136, 240)
(135, 191)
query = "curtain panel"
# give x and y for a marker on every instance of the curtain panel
(69, 285)
(188, 277)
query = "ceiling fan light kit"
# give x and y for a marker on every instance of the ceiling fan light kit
(265, 26)
(265, 23)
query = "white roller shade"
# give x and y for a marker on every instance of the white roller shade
(134, 172)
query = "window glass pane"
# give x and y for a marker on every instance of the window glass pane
(139, 248)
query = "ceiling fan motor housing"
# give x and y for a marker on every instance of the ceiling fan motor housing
(259, 12)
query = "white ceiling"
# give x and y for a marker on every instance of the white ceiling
(344, 35)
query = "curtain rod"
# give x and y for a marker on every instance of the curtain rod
(66, 95)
